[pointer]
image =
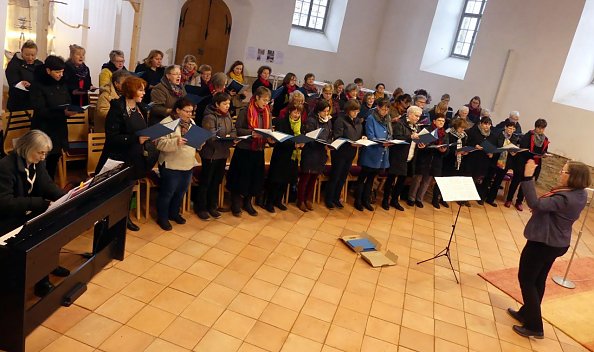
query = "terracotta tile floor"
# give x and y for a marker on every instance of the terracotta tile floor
(284, 282)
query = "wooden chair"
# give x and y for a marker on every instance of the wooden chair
(78, 133)
(95, 144)
(324, 176)
(16, 124)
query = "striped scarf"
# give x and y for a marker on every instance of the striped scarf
(253, 111)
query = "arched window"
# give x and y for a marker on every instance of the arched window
(468, 28)
(311, 14)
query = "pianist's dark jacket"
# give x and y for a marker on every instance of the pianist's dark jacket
(14, 200)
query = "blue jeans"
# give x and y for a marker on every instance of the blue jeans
(174, 184)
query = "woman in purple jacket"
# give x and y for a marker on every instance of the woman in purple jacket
(549, 234)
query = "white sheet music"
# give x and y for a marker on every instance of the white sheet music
(109, 165)
(21, 86)
(457, 188)
(10, 235)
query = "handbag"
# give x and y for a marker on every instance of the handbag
(151, 155)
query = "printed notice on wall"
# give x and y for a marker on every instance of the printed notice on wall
(265, 55)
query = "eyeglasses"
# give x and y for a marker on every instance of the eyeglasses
(188, 111)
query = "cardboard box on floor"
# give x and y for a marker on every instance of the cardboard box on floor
(374, 257)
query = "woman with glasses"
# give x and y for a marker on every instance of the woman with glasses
(429, 163)
(402, 156)
(166, 93)
(548, 235)
(176, 161)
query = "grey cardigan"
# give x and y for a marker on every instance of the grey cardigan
(552, 217)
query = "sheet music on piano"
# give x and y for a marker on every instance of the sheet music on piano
(10, 234)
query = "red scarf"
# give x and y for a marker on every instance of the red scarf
(310, 88)
(265, 82)
(545, 143)
(554, 191)
(252, 116)
(290, 88)
(187, 75)
(440, 134)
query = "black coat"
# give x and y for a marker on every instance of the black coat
(399, 153)
(121, 141)
(74, 82)
(222, 126)
(257, 83)
(314, 155)
(14, 200)
(430, 160)
(345, 127)
(282, 168)
(449, 159)
(280, 102)
(477, 163)
(46, 95)
(498, 138)
(18, 70)
(152, 78)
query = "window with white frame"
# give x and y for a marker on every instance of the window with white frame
(311, 14)
(468, 28)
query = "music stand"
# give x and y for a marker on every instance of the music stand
(455, 188)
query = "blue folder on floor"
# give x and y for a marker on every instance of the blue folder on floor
(363, 243)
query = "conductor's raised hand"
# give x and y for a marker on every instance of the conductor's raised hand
(530, 167)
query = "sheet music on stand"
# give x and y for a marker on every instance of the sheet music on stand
(457, 188)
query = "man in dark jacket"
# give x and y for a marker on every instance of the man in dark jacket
(50, 99)
(514, 117)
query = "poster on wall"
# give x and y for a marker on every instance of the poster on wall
(265, 55)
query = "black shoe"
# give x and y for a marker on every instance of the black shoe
(61, 271)
(249, 208)
(269, 208)
(480, 202)
(164, 224)
(368, 206)
(329, 205)
(131, 226)
(237, 214)
(410, 203)
(214, 213)
(444, 203)
(43, 287)
(522, 331)
(178, 219)
(358, 206)
(385, 204)
(435, 204)
(203, 215)
(396, 205)
(419, 204)
(516, 315)
(338, 204)
(281, 206)
(493, 204)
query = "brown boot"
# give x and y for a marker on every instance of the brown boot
(301, 206)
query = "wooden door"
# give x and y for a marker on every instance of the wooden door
(204, 31)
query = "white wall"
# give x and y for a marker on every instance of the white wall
(540, 34)
(160, 21)
(267, 24)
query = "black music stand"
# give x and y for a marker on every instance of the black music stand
(455, 188)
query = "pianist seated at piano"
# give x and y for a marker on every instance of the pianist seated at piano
(26, 189)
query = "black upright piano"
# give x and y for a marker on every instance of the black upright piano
(33, 253)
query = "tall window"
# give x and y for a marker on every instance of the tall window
(311, 14)
(468, 28)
